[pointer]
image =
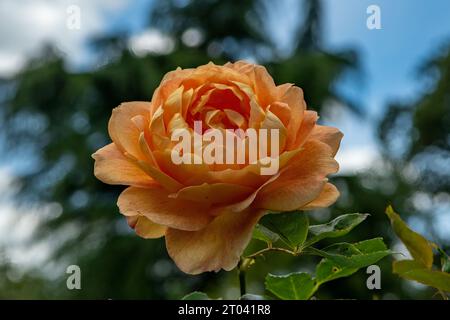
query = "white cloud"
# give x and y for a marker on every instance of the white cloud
(151, 41)
(26, 25)
(357, 158)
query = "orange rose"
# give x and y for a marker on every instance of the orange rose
(207, 212)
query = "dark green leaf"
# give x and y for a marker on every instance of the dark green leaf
(418, 246)
(335, 228)
(414, 270)
(292, 227)
(196, 295)
(294, 286)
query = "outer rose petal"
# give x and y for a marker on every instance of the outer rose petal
(214, 193)
(123, 131)
(112, 167)
(218, 246)
(308, 124)
(327, 197)
(264, 85)
(146, 228)
(329, 135)
(294, 99)
(155, 204)
(302, 181)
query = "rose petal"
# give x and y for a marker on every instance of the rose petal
(294, 99)
(327, 197)
(309, 122)
(145, 228)
(282, 111)
(218, 246)
(300, 182)
(155, 204)
(123, 131)
(112, 167)
(329, 135)
(215, 193)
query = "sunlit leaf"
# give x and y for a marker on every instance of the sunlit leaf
(291, 227)
(328, 270)
(196, 295)
(338, 227)
(413, 270)
(249, 296)
(264, 234)
(355, 255)
(418, 246)
(294, 286)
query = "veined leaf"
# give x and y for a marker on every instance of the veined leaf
(291, 227)
(338, 227)
(357, 255)
(418, 246)
(328, 270)
(294, 286)
(264, 234)
(414, 270)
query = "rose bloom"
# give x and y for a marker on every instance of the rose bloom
(207, 212)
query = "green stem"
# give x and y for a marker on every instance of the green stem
(243, 265)
(242, 284)
(262, 251)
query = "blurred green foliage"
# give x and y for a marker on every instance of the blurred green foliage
(60, 118)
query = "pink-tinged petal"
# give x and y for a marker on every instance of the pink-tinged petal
(145, 228)
(218, 246)
(301, 181)
(327, 197)
(123, 131)
(329, 135)
(155, 204)
(112, 167)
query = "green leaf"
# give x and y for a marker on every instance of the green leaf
(196, 295)
(357, 255)
(338, 227)
(445, 260)
(294, 286)
(291, 227)
(418, 246)
(328, 270)
(249, 296)
(264, 234)
(414, 270)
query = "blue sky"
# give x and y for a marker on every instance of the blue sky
(412, 30)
